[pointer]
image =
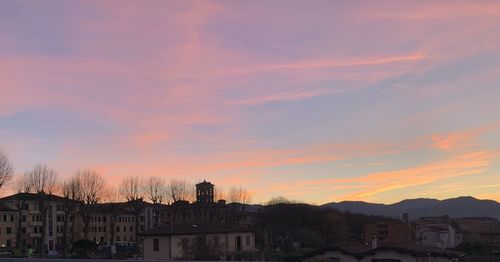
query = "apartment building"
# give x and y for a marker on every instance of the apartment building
(108, 223)
(8, 226)
(116, 222)
(25, 211)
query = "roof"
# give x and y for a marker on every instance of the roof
(359, 251)
(192, 229)
(204, 183)
(117, 208)
(32, 197)
(5, 208)
(417, 250)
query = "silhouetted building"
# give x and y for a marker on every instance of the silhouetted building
(205, 192)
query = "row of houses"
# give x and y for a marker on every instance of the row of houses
(22, 225)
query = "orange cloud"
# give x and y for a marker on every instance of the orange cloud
(462, 165)
(460, 139)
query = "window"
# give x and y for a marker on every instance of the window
(216, 241)
(9, 230)
(131, 228)
(117, 238)
(11, 218)
(23, 218)
(248, 240)
(131, 238)
(5, 218)
(238, 243)
(124, 229)
(156, 244)
(184, 243)
(117, 229)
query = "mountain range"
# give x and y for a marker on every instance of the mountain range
(465, 206)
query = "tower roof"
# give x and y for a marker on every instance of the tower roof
(204, 183)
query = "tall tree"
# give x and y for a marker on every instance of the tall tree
(113, 198)
(156, 191)
(180, 190)
(42, 181)
(219, 193)
(239, 195)
(131, 189)
(92, 191)
(21, 186)
(6, 170)
(239, 198)
(72, 199)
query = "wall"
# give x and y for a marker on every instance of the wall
(162, 253)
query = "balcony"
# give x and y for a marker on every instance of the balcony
(35, 223)
(34, 235)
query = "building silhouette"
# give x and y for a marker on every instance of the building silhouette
(205, 192)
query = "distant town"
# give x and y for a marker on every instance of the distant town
(160, 220)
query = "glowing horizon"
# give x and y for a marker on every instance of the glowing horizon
(316, 101)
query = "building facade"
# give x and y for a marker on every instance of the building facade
(191, 241)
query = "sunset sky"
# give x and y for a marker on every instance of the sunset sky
(318, 101)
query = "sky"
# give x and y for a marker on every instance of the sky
(317, 101)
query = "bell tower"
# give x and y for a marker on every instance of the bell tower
(205, 192)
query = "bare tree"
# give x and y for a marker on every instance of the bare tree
(113, 198)
(72, 199)
(239, 198)
(131, 189)
(6, 170)
(180, 190)
(156, 191)
(42, 181)
(219, 193)
(21, 186)
(90, 189)
(239, 195)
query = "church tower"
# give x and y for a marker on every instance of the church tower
(205, 192)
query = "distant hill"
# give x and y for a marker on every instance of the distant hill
(453, 207)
